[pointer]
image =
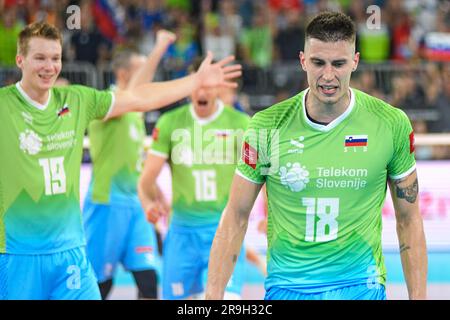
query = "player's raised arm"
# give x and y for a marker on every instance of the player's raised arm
(230, 235)
(155, 95)
(164, 39)
(413, 251)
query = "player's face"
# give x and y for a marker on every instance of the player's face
(329, 66)
(41, 65)
(204, 101)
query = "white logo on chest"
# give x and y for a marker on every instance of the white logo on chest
(30, 142)
(294, 176)
(297, 143)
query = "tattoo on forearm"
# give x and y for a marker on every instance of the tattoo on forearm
(408, 193)
(404, 247)
(234, 258)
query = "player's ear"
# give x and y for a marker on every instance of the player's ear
(19, 61)
(355, 61)
(302, 58)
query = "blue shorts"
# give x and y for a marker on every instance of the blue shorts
(65, 275)
(355, 292)
(119, 233)
(185, 262)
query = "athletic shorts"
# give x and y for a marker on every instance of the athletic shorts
(185, 263)
(119, 233)
(65, 275)
(355, 292)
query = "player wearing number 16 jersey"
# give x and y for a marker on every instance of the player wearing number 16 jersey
(326, 155)
(201, 143)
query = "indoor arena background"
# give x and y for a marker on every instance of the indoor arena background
(405, 60)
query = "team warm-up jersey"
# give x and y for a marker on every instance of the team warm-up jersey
(202, 154)
(116, 148)
(41, 149)
(326, 186)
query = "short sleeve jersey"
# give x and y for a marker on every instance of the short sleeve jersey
(117, 150)
(41, 149)
(202, 155)
(326, 185)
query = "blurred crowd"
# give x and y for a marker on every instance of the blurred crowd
(261, 34)
(258, 32)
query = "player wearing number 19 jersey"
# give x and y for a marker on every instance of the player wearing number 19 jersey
(39, 193)
(202, 153)
(324, 222)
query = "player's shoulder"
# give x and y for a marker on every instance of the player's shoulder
(276, 115)
(230, 111)
(380, 109)
(7, 89)
(75, 89)
(173, 115)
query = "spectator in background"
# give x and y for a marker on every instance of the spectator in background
(216, 39)
(9, 31)
(290, 40)
(182, 53)
(256, 41)
(407, 94)
(441, 103)
(88, 44)
(374, 43)
(229, 20)
(365, 81)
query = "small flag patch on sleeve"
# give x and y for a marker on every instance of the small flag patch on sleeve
(411, 142)
(249, 155)
(155, 134)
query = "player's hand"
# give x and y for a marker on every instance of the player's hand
(218, 74)
(155, 210)
(164, 38)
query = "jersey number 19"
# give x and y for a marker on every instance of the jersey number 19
(54, 175)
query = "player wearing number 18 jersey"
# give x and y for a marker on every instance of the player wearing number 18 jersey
(201, 142)
(326, 156)
(324, 223)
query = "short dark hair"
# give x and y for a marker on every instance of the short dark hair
(37, 30)
(331, 27)
(121, 58)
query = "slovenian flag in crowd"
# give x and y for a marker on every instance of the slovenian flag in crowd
(110, 18)
(356, 141)
(437, 46)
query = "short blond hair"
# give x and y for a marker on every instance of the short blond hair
(37, 30)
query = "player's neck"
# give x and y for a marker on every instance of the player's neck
(326, 112)
(39, 96)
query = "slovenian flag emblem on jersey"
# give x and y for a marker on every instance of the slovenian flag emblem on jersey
(356, 141)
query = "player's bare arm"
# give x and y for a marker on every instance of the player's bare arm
(150, 195)
(230, 235)
(154, 95)
(411, 236)
(164, 39)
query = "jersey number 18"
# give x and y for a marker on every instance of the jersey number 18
(321, 223)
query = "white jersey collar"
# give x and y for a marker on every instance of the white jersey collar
(335, 122)
(31, 101)
(211, 118)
